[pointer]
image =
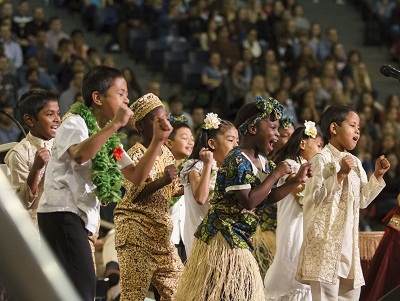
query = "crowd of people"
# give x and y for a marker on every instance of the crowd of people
(224, 175)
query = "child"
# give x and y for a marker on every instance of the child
(383, 273)
(180, 143)
(279, 282)
(143, 225)
(83, 172)
(286, 129)
(330, 258)
(221, 266)
(213, 142)
(27, 160)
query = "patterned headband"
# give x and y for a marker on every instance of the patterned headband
(180, 118)
(265, 107)
(144, 105)
(286, 121)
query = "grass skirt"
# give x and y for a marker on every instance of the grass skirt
(216, 272)
(264, 249)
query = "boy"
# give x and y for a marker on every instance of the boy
(27, 160)
(83, 171)
(330, 258)
(143, 225)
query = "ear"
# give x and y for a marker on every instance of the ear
(96, 98)
(168, 143)
(252, 129)
(333, 127)
(211, 144)
(28, 119)
(302, 144)
(139, 126)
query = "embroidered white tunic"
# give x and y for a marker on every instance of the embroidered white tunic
(331, 215)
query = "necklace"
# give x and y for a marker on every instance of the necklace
(105, 172)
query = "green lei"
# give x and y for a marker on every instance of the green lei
(105, 172)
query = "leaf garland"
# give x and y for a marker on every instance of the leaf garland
(105, 170)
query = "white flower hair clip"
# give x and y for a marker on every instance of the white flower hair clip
(311, 129)
(212, 121)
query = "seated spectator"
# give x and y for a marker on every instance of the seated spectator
(40, 49)
(329, 77)
(68, 97)
(209, 35)
(176, 109)
(11, 48)
(257, 88)
(251, 43)
(9, 131)
(79, 45)
(20, 19)
(38, 23)
(226, 47)
(45, 80)
(236, 87)
(392, 101)
(55, 33)
(198, 116)
(134, 89)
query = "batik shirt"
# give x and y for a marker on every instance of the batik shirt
(236, 223)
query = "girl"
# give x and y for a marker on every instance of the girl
(221, 266)
(279, 282)
(214, 140)
(180, 143)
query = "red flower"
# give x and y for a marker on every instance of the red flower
(118, 151)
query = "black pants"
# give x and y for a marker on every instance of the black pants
(67, 236)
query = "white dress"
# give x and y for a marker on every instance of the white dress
(194, 213)
(280, 282)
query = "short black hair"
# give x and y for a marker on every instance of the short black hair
(176, 125)
(100, 79)
(34, 100)
(335, 114)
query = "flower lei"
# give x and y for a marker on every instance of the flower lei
(265, 107)
(212, 121)
(286, 121)
(213, 180)
(311, 129)
(175, 199)
(105, 172)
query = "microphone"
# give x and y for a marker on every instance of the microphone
(389, 71)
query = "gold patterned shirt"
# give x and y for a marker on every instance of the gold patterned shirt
(331, 215)
(148, 220)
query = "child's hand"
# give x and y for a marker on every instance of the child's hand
(282, 169)
(347, 164)
(122, 116)
(382, 165)
(161, 127)
(305, 172)
(170, 174)
(206, 156)
(41, 158)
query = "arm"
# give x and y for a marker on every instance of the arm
(250, 198)
(139, 173)
(41, 158)
(200, 183)
(277, 194)
(170, 173)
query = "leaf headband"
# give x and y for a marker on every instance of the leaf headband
(286, 121)
(180, 118)
(266, 107)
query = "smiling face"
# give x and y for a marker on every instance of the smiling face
(346, 135)
(182, 144)
(223, 143)
(267, 135)
(284, 135)
(145, 126)
(48, 121)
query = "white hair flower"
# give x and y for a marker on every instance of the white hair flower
(311, 129)
(212, 121)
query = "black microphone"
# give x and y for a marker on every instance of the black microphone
(2, 111)
(389, 71)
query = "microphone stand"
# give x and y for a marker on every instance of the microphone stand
(15, 121)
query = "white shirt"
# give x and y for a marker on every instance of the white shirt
(68, 186)
(178, 220)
